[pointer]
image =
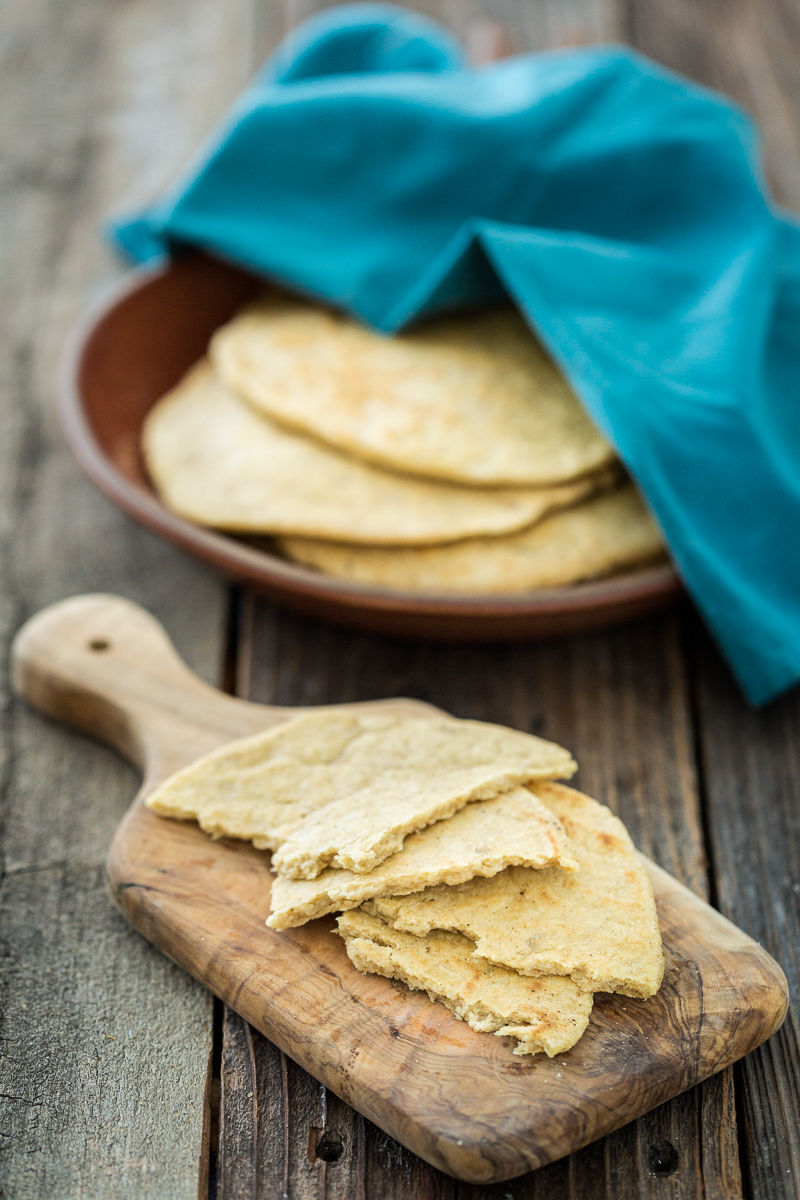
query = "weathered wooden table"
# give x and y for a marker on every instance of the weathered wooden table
(121, 1077)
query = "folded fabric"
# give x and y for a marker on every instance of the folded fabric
(623, 210)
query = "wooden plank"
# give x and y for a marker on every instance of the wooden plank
(266, 1102)
(750, 763)
(204, 904)
(752, 782)
(105, 1044)
(620, 701)
(702, 1124)
(102, 663)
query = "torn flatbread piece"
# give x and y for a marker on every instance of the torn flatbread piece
(608, 532)
(598, 925)
(483, 838)
(547, 1014)
(407, 774)
(472, 398)
(344, 788)
(217, 461)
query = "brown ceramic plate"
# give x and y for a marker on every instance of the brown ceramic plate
(140, 344)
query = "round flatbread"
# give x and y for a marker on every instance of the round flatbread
(473, 399)
(217, 461)
(605, 534)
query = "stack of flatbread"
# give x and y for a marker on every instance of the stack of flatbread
(452, 457)
(458, 865)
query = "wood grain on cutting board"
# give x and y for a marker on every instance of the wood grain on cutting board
(458, 1099)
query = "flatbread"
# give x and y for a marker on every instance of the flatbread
(514, 828)
(548, 1014)
(217, 461)
(606, 533)
(598, 924)
(405, 776)
(345, 788)
(472, 398)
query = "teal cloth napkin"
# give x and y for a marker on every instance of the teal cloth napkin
(621, 207)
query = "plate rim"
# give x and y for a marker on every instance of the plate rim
(270, 572)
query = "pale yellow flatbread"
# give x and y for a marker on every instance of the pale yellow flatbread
(607, 533)
(472, 398)
(405, 776)
(598, 924)
(549, 1013)
(511, 829)
(217, 461)
(345, 788)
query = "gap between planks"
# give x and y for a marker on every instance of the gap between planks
(715, 1158)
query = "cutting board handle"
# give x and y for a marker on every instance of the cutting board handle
(103, 664)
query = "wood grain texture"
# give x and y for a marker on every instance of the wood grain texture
(261, 1155)
(751, 51)
(749, 760)
(752, 777)
(93, 107)
(637, 691)
(105, 1045)
(621, 700)
(459, 1099)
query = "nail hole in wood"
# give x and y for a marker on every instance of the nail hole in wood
(99, 644)
(662, 1160)
(330, 1149)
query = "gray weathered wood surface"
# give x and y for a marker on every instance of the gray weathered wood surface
(105, 665)
(106, 1047)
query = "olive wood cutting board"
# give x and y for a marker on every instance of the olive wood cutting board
(459, 1099)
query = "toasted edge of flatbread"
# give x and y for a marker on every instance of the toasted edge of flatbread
(472, 398)
(604, 534)
(598, 925)
(216, 460)
(344, 787)
(512, 829)
(545, 1014)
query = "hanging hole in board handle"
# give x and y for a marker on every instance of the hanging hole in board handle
(98, 645)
